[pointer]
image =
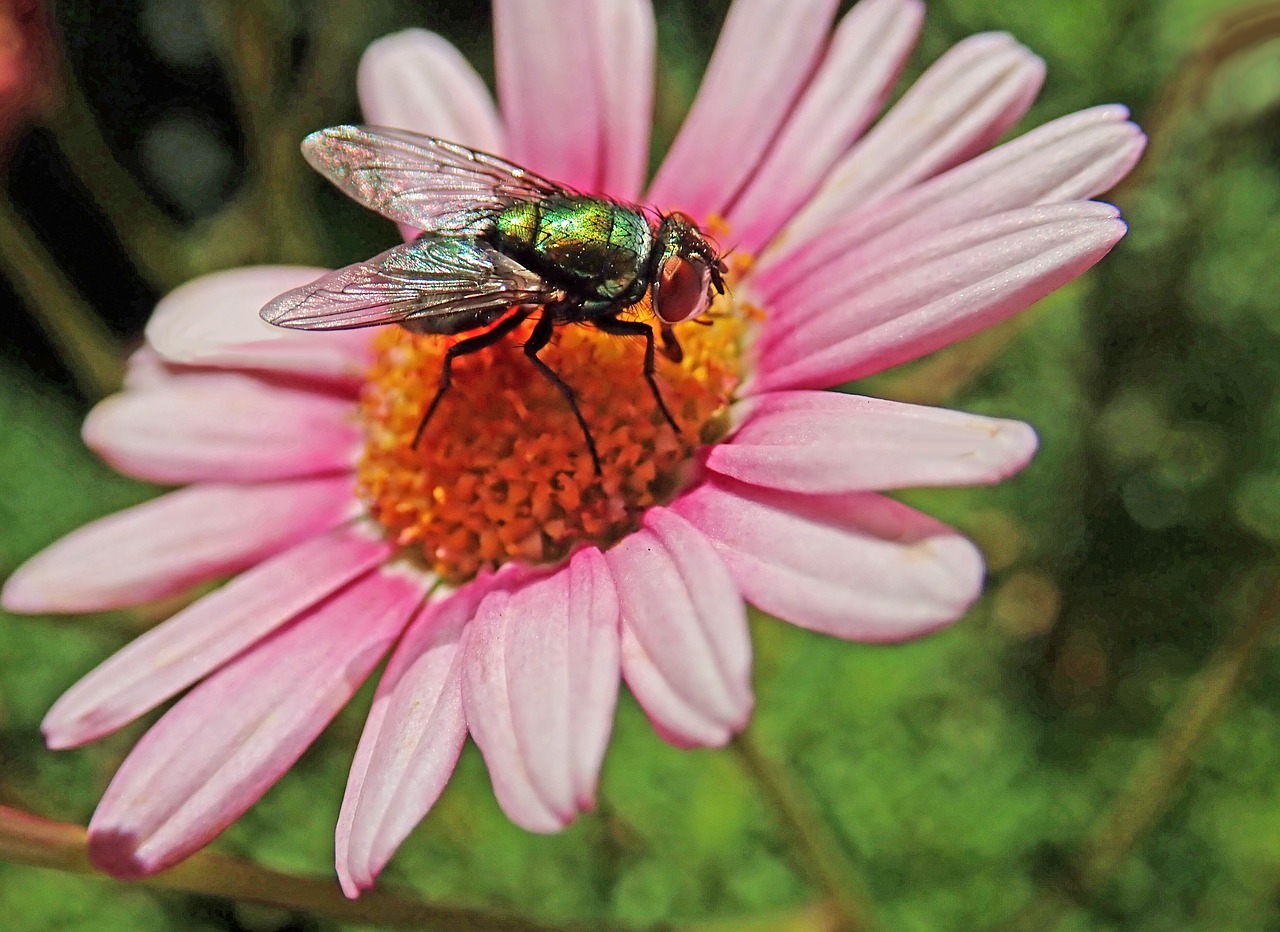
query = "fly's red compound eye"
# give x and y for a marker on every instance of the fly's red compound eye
(681, 291)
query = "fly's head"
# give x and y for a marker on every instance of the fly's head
(686, 270)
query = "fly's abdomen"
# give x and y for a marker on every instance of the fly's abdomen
(594, 249)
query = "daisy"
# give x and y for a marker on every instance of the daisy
(513, 587)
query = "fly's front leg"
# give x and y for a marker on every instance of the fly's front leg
(463, 348)
(671, 347)
(635, 328)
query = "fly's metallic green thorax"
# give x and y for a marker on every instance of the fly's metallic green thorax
(590, 247)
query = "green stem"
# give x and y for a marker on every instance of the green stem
(324, 84)
(254, 51)
(1160, 773)
(815, 846)
(90, 352)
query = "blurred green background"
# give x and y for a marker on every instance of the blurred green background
(1094, 747)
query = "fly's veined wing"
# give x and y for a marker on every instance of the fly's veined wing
(430, 277)
(424, 182)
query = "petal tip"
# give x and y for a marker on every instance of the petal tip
(115, 852)
(352, 887)
(1018, 443)
(968, 570)
(56, 736)
(23, 595)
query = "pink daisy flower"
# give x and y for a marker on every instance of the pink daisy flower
(513, 588)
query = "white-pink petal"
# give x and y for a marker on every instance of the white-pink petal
(943, 290)
(213, 321)
(1078, 156)
(622, 38)
(170, 543)
(576, 101)
(762, 61)
(686, 653)
(417, 80)
(411, 739)
(145, 369)
(224, 427)
(866, 54)
(958, 108)
(539, 687)
(857, 566)
(226, 742)
(202, 637)
(827, 442)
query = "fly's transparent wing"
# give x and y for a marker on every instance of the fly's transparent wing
(424, 182)
(432, 277)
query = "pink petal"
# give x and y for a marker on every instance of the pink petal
(539, 687)
(224, 427)
(876, 264)
(225, 743)
(623, 40)
(958, 108)
(866, 54)
(826, 442)
(213, 321)
(1076, 157)
(145, 369)
(411, 740)
(577, 101)
(417, 80)
(686, 654)
(205, 635)
(170, 543)
(858, 566)
(765, 56)
(948, 287)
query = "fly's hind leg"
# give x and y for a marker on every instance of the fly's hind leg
(463, 348)
(630, 328)
(538, 340)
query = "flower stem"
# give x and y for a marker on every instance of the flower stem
(1159, 774)
(814, 844)
(31, 840)
(89, 350)
(255, 52)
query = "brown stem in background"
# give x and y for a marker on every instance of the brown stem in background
(37, 842)
(820, 852)
(1229, 34)
(1160, 773)
(90, 352)
(31, 840)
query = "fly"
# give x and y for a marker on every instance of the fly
(498, 243)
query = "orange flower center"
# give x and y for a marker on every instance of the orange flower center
(503, 472)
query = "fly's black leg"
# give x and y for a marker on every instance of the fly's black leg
(671, 347)
(463, 348)
(538, 340)
(635, 328)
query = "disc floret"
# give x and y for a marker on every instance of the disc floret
(502, 473)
